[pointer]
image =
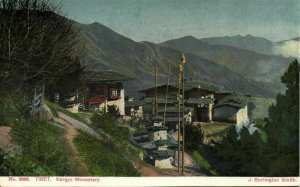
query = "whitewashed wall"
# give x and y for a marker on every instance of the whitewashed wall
(238, 116)
(224, 113)
(120, 103)
(165, 163)
(242, 117)
(158, 135)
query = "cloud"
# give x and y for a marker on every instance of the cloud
(289, 48)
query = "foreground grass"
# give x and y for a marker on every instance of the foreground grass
(45, 145)
(203, 163)
(103, 159)
(44, 151)
(55, 108)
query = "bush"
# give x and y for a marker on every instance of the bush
(113, 111)
(194, 137)
(117, 134)
(9, 109)
(17, 166)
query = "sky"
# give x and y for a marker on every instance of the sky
(160, 20)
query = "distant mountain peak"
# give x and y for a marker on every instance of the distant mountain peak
(189, 37)
(249, 35)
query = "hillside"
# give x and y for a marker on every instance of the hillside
(248, 42)
(261, 68)
(106, 49)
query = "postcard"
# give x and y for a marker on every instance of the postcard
(149, 92)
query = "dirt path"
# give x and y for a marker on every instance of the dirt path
(79, 125)
(72, 124)
(70, 135)
(146, 170)
(6, 142)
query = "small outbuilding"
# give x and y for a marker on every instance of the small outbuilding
(232, 109)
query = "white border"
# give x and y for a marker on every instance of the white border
(149, 181)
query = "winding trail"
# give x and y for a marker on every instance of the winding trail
(70, 135)
(73, 125)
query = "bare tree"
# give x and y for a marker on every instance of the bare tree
(38, 46)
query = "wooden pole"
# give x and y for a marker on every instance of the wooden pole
(179, 77)
(168, 82)
(155, 90)
(181, 70)
(183, 122)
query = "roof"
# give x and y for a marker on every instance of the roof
(148, 145)
(171, 119)
(159, 100)
(171, 86)
(200, 101)
(157, 128)
(172, 109)
(104, 76)
(161, 154)
(161, 142)
(155, 144)
(187, 86)
(156, 118)
(238, 101)
(200, 85)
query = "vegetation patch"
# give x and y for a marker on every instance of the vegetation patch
(9, 111)
(11, 165)
(103, 159)
(215, 128)
(118, 135)
(203, 163)
(45, 145)
(55, 108)
(258, 107)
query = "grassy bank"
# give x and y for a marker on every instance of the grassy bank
(102, 158)
(80, 116)
(215, 128)
(45, 145)
(118, 135)
(203, 163)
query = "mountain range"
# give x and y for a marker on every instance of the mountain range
(245, 64)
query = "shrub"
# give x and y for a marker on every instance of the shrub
(17, 166)
(119, 135)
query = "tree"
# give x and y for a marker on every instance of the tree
(243, 153)
(194, 137)
(38, 46)
(113, 111)
(283, 127)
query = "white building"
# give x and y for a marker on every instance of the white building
(104, 89)
(157, 133)
(162, 159)
(232, 109)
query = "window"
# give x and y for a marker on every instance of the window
(114, 94)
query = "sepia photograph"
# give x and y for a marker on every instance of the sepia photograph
(149, 92)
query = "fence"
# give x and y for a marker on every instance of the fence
(35, 106)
